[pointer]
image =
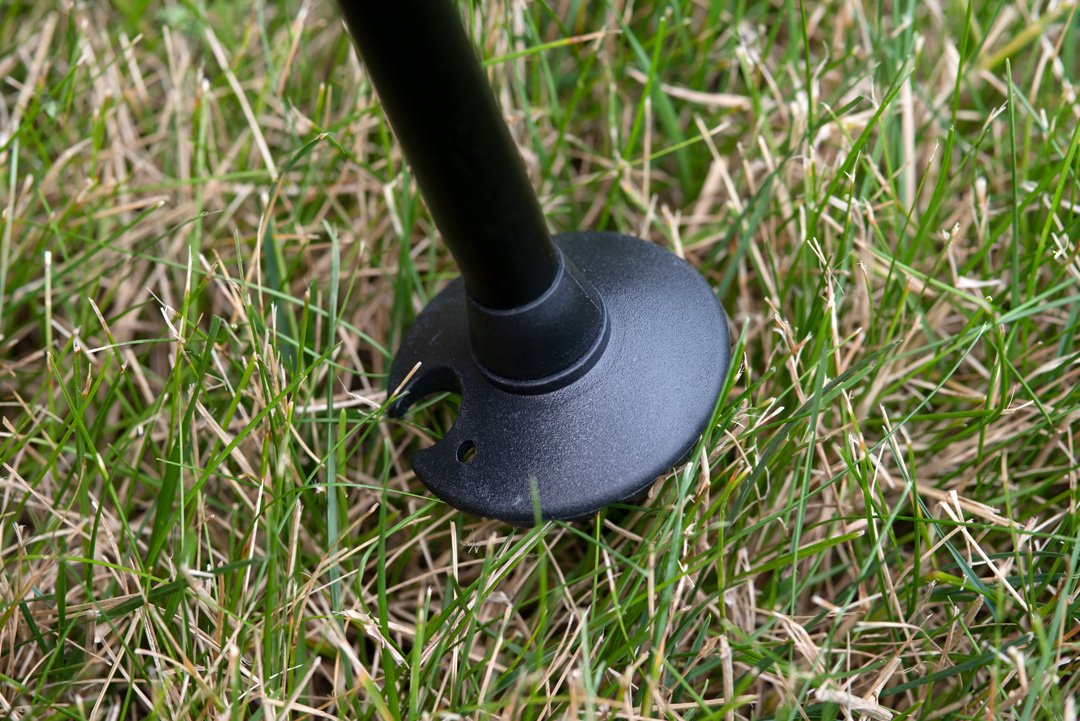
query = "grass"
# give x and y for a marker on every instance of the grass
(209, 246)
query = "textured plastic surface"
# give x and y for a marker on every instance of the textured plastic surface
(546, 343)
(635, 413)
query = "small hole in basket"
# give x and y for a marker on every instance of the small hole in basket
(466, 452)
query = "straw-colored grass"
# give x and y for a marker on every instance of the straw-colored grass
(209, 247)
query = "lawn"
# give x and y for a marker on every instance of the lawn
(210, 246)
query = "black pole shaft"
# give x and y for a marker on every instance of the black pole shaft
(445, 116)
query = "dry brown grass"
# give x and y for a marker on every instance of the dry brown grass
(202, 514)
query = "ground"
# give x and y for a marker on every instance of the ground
(210, 245)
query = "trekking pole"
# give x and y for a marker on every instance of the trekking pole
(589, 363)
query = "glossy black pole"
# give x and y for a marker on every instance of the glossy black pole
(588, 364)
(443, 112)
